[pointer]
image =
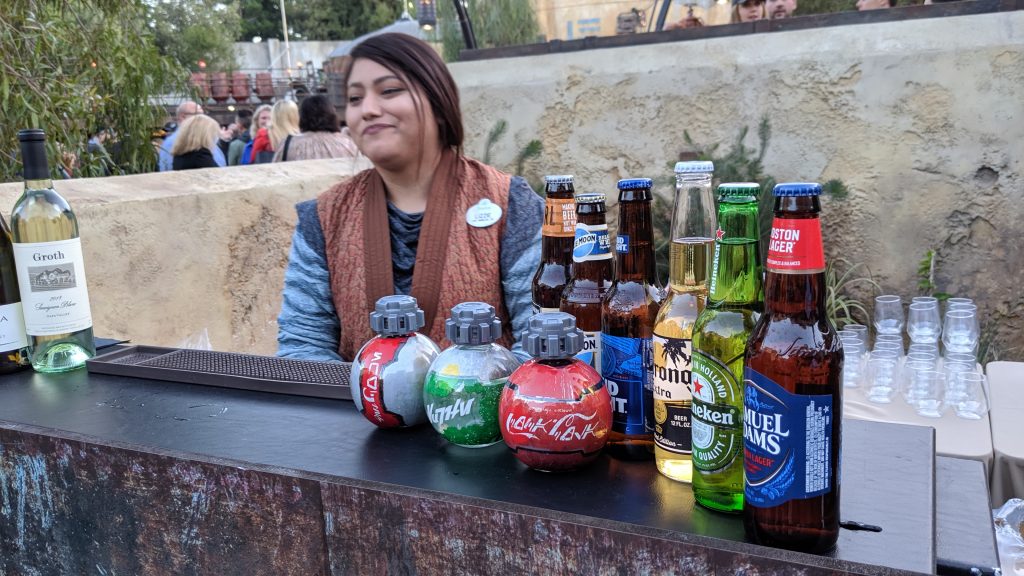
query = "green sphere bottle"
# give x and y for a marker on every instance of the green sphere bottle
(735, 302)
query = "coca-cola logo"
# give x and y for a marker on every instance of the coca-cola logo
(567, 428)
(371, 386)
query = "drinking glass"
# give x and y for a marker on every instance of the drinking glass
(960, 331)
(926, 391)
(882, 379)
(922, 347)
(861, 331)
(928, 357)
(895, 347)
(950, 302)
(888, 314)
(967, 396)
(923, 322)
(925, 299)
(853, 350)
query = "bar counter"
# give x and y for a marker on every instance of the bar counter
(104, 474)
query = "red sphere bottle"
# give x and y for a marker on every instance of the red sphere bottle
(555, 411)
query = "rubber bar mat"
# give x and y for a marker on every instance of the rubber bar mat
(228, 370)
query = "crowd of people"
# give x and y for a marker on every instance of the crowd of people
(751, 10)
(282, 132)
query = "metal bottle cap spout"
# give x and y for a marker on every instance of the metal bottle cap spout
(396, 315)
(552, 335)
(472, 323)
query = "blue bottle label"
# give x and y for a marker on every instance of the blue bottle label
(787, 442)
(622, 243)
(591, 243)
(625, 365)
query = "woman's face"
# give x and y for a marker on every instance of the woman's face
(264, 120)
(382, 116)
(872, 4)
(751, 10)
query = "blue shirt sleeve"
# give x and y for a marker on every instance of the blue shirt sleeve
(520, 256)
(218, 155)
(308, 326)
(165, 162)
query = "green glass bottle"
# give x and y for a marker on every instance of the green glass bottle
(735, 302)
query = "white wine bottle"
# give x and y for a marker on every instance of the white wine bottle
(13, 340)
(51, 272)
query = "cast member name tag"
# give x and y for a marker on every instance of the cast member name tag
(483, 214)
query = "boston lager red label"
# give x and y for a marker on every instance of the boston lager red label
(795, 246)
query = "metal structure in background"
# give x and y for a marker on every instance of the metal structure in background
(467, 26)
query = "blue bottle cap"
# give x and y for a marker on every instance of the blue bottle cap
(635, 183)
(563, 179)
(695, 167)
(797, 189)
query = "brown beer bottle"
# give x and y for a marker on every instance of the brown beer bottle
(627, 324)
(592, 274)
(554, 271)
(792, 402)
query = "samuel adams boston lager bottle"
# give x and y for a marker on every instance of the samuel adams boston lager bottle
(592, 274)
(559, 228)
(693, 226)
(719, 341)
(627, 321)
(792, 417)
(51, 272)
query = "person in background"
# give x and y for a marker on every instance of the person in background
(320, 134)
(262, 122)
(284, 122)
(186, 110)
(243, 121)
(777, 9)
(747, 11)
(196, 141)
(874, 4)
(403, 226)
(99, 162)
(227, 134)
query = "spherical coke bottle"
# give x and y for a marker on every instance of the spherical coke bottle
(388, 371)
(465, 381)
(719, 342)
(627, 323)
(555, 268)
(555, 411)
(792, 420)
(592, 274)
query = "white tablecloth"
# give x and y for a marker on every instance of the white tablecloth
(954, 436)
(1006, 382)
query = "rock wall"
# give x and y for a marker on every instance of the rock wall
(923, 120)
(183, 256)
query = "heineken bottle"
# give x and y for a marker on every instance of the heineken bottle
(735, 302)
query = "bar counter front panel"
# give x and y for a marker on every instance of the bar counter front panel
(112, 475)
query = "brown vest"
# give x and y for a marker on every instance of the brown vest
(455, 262)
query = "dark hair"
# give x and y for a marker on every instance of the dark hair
(416, 62)
(316, 114)
(244, 117)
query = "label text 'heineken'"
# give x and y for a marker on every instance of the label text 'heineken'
(719, 341)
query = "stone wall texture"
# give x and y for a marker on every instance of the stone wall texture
(182, 256)
(922, 119)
